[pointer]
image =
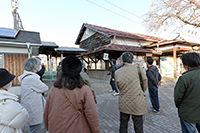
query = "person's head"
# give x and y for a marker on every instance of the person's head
(114, 61)
(127, 57)
(32, 64)
(149, 61)
(70, 77)
(38, 58)
(5, 79)
(60, 63)
(190, 60)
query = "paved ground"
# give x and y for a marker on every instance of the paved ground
(166, 121)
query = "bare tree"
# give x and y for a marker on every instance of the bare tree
(165, 13)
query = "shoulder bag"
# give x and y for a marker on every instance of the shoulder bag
(71, 103)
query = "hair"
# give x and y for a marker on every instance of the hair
(127, 57)
(31, 64)
(69, 82)
(149, 60)
(191, 59)
(38, 58)
(60, 63)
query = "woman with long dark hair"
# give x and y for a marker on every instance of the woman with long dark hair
(70, 106)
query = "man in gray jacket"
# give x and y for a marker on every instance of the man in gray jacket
(131, 96)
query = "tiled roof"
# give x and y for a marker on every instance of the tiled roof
(49, 44)
(23, 37)
(117, 47)
(123, 33)
(70, 49)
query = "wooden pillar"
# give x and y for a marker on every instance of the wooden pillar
(95, 62)
(61, 55)
(47, 62)
(107, 65)
(88, 66)
(159, 62)
(56, 60)
(174, 58)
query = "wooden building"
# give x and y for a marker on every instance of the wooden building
(15, 47)
(98, 40)
(174, 48)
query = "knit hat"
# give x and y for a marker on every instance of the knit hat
(71, 66)
(5, 77)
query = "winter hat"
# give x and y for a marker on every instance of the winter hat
(5, 77)
(114, 61)
(71, 66)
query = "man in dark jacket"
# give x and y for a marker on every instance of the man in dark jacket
(59, 68)
(187, 93)
(41, 71)
(112, 80)
(154, 78)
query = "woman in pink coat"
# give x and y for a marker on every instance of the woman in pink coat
(70, 106)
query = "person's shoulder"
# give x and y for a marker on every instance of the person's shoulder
(13, 105)
(84, 89)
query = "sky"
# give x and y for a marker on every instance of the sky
(60, 21)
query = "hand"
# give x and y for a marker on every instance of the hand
(159, 83)
(113, 79)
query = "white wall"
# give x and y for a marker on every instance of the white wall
(87, 34)
(129, 42)
(13, 50)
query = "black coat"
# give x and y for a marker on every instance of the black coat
(112, 70)
(41, 72)
(153, 76)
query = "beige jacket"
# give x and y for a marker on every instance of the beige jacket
(131, 96)
(60, 117)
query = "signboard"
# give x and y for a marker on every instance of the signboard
(105, 56)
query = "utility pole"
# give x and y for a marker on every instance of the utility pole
(17, 21)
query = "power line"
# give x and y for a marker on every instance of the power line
(113, 12)
(123, 9)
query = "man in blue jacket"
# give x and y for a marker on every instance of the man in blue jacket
(187, 93)
(154, 78)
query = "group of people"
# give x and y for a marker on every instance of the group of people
(70, 105)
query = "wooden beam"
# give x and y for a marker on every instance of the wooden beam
(174, 57)
(88, 62)
(92, 59)
(95, 61)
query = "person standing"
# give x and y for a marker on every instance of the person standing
(154, 79)
(59, 69)
(13, 115)
(112, 74)
(131, 96)
(86, 78)
(42, 70)
(84, 75)
(187, 93)
(70, 106)
(31, 93)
